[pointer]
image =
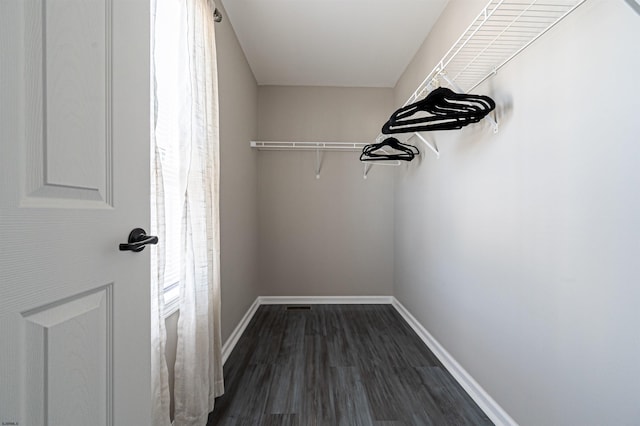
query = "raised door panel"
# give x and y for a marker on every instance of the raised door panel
(68, 103)
(68, 364)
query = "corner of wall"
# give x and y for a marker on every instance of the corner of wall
(238, 109)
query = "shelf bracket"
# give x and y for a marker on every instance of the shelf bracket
(459, 89)
(319, 158)
(369, 164)
(367, 168)
(432, 145)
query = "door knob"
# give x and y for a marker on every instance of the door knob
(138, 238)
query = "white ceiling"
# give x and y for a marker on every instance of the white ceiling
(357, 43)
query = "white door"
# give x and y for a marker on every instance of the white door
(74, 167)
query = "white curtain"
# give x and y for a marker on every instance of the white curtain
(191, 104)
(198, 369)
(159, 373)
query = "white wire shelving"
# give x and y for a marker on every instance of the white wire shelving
(318, 147)
(306, 146)
(502, 30)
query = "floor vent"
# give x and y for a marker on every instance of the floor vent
(298, 308)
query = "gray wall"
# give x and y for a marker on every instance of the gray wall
(238, 93)
(518, 251)
(333, 235)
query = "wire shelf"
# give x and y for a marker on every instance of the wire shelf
(318, 147)
(503, 29)
(307, 146)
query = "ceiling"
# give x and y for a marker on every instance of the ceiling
(354, 43)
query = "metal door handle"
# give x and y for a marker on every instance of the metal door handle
(138, 238)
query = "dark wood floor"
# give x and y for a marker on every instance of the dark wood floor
(338, 365)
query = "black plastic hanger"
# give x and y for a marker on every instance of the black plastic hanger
(442, 109)
(378, 151)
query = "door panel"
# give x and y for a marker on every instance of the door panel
(75, 87)
(74, 181)
(68, 363)
(68, 103)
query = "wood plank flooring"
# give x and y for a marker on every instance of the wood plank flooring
(338, 365)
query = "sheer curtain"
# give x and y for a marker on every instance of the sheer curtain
(160, 403)
(186, 137)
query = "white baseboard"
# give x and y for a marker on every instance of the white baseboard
(231, 342)
(490, 407)
(487, 404)
(325, 300)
